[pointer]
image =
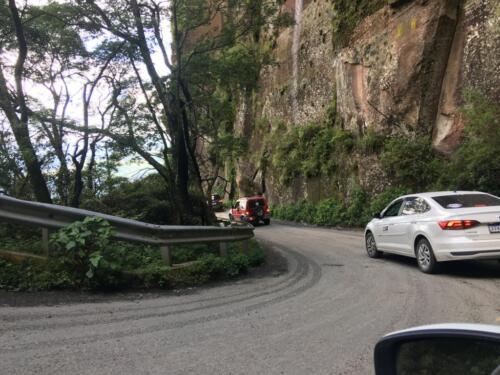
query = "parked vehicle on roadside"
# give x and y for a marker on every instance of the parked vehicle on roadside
(437, 226)
(217, 203)
(458, 349)
(251, 209)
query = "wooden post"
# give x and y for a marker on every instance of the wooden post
(223, 249)
(166, 255)
(244, 246)
(45, 241)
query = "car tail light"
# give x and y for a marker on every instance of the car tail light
(267, 210)
(248, 213)
(458, 224)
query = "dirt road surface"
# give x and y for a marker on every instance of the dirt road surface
(323, 316)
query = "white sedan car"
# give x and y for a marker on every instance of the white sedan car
(435, 227)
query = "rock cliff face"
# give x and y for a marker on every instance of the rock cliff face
(404, 71)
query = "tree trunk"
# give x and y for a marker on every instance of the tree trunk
(19, 125)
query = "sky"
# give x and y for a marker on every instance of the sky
(128, 168)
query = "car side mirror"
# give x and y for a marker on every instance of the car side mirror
(377, 215)
(440, 349)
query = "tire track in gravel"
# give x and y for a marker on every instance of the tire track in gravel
(289, 281)
(307, 270)
(15, 317)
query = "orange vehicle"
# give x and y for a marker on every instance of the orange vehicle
(251, 210)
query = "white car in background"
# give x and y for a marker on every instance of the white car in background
(435, 227)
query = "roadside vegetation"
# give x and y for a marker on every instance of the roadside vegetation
(84, 257)
(86, 86)
(410, 164)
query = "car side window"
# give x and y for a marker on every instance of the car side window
(236, 205)
(414, 206)
(393, 209)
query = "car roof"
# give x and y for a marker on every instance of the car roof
(441, 193)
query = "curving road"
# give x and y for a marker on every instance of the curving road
(322, 316)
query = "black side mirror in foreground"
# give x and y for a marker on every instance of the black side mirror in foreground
(376, 215)
(442, 349)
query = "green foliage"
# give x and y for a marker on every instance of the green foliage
(411, 163)
(329, 212)
(371, 142)
(331, 111)
(475, 165)
(311, 150)
(82, 246)
(147, 199)
(34, 275)
(357, 211)
(84, 257)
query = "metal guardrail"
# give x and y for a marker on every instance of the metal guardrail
(51, 216)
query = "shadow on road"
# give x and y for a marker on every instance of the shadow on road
(463, 269)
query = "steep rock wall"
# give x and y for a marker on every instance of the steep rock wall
(404, 71)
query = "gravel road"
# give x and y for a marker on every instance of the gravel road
(323, 316)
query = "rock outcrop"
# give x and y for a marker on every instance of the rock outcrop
(404, 71)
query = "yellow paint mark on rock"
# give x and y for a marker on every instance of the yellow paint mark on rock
(413, 23)
(400, 30)
(498, 319)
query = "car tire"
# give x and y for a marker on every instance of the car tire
(371, 246)
(267, 221)
(425, 257)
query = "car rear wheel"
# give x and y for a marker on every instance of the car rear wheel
(425, 257)
(371, 246)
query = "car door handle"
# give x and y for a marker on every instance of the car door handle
(385, 228)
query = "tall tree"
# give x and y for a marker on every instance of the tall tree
(13, 103)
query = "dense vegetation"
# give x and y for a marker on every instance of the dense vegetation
(410, 164)
(83, 256)
(87, 85)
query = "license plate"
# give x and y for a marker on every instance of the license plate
(494, 228)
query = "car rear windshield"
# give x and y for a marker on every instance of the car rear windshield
(467, 200)
(257, 203)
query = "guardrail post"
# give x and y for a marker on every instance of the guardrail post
(45, 241)
(166, 254)
(223, 249)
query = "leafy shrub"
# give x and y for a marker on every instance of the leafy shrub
(256, 255)
(475, 165)
(329, 212)
(121, 265)
(411, 163)
(81, 248)
(34, 275)
(184, 253)
(310, 150)
(147, 199)
(356, 212)
(371, 142)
